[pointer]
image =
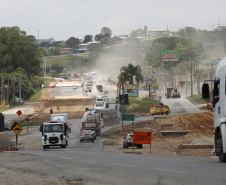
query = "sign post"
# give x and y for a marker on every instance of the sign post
(149, 79)
(17, 129)
(127, 117)
(142, 138)
(169, 56)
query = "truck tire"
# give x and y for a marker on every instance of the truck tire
(44, 147)
(63, 146)
(80, 140)
(93, 140)
(222, 156)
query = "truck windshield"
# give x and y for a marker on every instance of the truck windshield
(53, 128)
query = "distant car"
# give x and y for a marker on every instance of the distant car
(94, 132)
(128, 141)
(74, 87)
(99, 102)
(87, 135)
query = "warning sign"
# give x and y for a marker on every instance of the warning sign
(17, 129)
(142, 137)
(19, 112)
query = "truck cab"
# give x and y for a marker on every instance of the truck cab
(219, 109)
(54, 134)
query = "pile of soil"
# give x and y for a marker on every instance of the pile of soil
(200, 132)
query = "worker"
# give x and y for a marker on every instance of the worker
(208, 106)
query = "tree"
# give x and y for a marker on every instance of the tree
(19, 50)
(129, 72)
(72, 42)
(88, 38)
(106, 32)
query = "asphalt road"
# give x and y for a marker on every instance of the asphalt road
(86, 161)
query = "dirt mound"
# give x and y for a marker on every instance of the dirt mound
(199, 126)
(74, 106)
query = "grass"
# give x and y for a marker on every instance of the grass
(33, 123)
(195, 99)
(142, 105)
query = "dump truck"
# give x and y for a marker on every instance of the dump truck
(54, 133)
(169, 92)
(176, 93)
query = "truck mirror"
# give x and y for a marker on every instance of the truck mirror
(41, 128)
(205, 91)
(107, 105)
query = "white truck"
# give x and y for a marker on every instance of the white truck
(92, 119)
(61, 117)
(54, 134)
(219, 108)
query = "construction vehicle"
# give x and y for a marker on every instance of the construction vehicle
(92, 119)
(54, 134)
(176, 93)
(61, 117)
(159, 109)
(169, 92)
(218, 101)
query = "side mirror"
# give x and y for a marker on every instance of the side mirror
(205, 91)
(41, 128)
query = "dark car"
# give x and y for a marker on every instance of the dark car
(128, 141)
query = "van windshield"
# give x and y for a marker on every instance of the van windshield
(53, 128)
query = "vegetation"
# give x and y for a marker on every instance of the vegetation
(195, 99)
(32, 123)
(140, 105)
(128, 73)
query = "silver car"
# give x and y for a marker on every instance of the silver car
(87, 135)
(128, 141)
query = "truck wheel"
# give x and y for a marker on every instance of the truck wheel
(63, 146)
(80, 140)
(222, 156)
(93, 140)
(44, 147)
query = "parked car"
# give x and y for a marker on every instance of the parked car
(87, 135)
(99, 102)
(128, 141)
(94, 132)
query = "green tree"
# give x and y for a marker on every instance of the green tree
(106, 32)
(19, 50)
(72, 42)
(129, 72)
(88, 38)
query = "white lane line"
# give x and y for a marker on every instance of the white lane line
(89, 161)
(47, 155)
(124, 165)
(66, 158)
(173, 171)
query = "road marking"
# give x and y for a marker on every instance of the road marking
(66, 158)
(89, 161)
(124, 165)
(165, 170)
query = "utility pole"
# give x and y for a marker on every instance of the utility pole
(191, 82)
(19, 89)
(14, 89)
(3, 87)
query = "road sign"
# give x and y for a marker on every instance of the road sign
(169, 55)
(127, 117)
(142, 137)
(131, 90)
(149, 79)
(17, 128)
(19, 112)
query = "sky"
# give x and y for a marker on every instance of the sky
(62, 19)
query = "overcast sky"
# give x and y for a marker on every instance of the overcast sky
(62, 19)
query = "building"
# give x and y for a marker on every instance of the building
(221, 28)
(84, 48)
(157, 33)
